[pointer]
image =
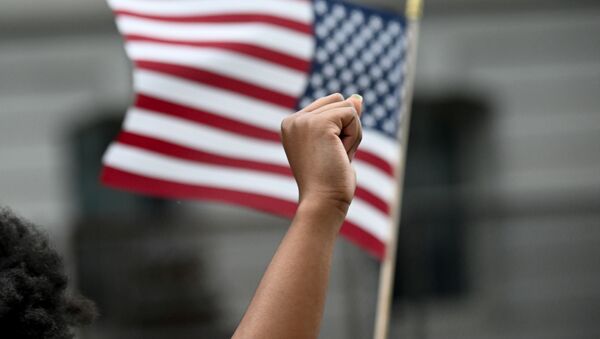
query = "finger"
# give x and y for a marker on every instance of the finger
(351, 137)
(357, 101)
(335, 97)
(348, 125)
(354, 148)
(354, 101)
(329, 107)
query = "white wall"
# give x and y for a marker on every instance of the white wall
(535, 241)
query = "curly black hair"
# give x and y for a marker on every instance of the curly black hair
(33, 302)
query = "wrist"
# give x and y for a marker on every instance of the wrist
(330, 202)
(323, 212)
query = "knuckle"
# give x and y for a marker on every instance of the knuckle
(302, 121)
(350, 111)
(286, 123)
(316, 101)
(338, 96)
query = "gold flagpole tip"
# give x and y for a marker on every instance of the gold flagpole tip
(414, 9)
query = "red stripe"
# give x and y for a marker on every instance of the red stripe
(372, 199)
(375, 160)
(226, 18)
(150, 186)
(363, 239)
(220, 81)
(235, 126)
(204, 118)
(247, 49)
(183, 152)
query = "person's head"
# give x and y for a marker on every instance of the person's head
(33, 300)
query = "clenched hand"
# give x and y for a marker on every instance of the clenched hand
(320, 142)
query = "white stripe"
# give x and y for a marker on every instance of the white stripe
(202, 137)
(238, 107)
(158, 166)
(268, 36)
(295, 10)
(226, 103)
(374, 180)
(369, 219)
(149, 164)
(381, 145)
(253, 70)
(205, 138)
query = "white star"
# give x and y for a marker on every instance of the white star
(389, 126)
(386, 62)
(316, 80)
(394, 28)
(347, 30)
(395, 51)
(321, 55)
(321, 31)
(349, 51)
(390, 101)
(329, 70)
(376, 48)
(379, 111)
(376, 22)
(350, 90)
(364, 81)
(340, 61)
(340, 38)
(365, 33)
(368, 56)
(321, 92)
(358, 42)
(357, 17)
(368, 120)
(331, 46)
(346, 76)
(370, 97)
(358, 66)
(338, 11)
(382, 87)
(321, 7)
(329, 22)
(385, 38)
(376, 71)
(333, 86)
(391, 77)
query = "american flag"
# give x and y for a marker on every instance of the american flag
(213, 80)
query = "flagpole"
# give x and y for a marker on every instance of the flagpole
(386, 273)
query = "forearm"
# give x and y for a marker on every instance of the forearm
(290, 298)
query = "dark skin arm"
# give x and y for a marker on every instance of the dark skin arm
(320, 141)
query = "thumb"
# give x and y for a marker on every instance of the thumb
(356, 100)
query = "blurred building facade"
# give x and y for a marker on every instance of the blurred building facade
(530, 180)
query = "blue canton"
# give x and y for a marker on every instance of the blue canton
(359, 50)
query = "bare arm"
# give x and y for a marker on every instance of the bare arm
(319, 142)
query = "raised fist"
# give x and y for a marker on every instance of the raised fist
(320, 142)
